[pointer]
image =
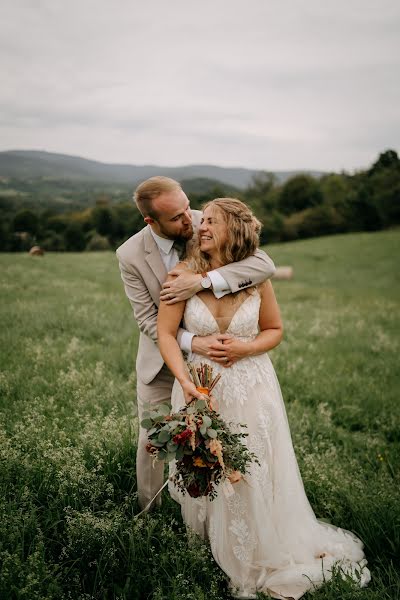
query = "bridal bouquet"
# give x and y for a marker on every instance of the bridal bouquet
(206, 450)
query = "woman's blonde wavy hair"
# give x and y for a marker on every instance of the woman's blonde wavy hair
(243, 231)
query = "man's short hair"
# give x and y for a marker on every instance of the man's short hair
(149, 190)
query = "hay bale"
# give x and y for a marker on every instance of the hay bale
(283, 273)
(36, 251)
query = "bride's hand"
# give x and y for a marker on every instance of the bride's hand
(213, 404)
(235, 477)
(190, 391)
(204, 345)
(233, 350)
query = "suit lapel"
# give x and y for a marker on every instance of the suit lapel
(153, 256)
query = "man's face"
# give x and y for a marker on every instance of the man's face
(174, 219)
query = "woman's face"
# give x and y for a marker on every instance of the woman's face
(212, 231)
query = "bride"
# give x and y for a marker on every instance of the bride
(262, 530)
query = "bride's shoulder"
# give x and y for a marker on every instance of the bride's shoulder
(183, 265)
(259, 291)
(264, 287)
(256, 290)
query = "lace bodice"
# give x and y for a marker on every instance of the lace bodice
(236, 380)
(244, 323)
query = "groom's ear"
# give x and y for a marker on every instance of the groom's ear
(148, 220)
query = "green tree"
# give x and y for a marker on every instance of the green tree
(362, 211)
(311, 222)
(382, 183)
(272, 227)
(57, 223)
(298, 193)
(26, 220)
(74, 237)
(98, 242)
(103, 221)
(262, 191)
(127, 221)
(386, 160)
(5, 237)
(53, 242)
(334, 189)
(261, 196)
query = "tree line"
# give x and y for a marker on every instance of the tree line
(301, 207)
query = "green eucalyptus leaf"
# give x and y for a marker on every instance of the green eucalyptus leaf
(179, 453)
(147, 423)
(211, 433)
(163, 409)
(158, 418)
(163, 436)
(173, 424)
(200, 404)
(203, 430)
(206, 421)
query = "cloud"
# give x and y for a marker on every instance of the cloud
(267, 85)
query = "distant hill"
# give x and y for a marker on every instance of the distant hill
(33, 164)
(204, 186)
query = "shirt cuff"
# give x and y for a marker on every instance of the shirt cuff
(185, 341)
(219, 285)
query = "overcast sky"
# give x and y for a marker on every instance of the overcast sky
(271, 84)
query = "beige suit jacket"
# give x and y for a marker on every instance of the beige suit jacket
(143, 273)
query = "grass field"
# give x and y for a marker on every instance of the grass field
(67, 425)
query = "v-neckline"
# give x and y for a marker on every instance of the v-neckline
(214, 318)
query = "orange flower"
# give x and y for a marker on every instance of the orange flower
(215, 447)
(199, 462)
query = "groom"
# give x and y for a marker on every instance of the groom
(144, 261)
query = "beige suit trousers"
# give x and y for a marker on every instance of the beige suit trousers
(150, 478)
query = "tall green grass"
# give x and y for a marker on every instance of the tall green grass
(68, 425)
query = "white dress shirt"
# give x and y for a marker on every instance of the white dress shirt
(170, 258)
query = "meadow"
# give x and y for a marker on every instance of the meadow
(68, 425)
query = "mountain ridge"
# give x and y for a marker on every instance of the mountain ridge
(32, 164)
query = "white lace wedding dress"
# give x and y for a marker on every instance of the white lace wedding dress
(263, 532)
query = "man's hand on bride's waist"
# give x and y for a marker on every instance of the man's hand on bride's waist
(230, 351)
(207, 344)
(222, 348)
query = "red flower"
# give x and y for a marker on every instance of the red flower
(180, 438)
(150, 448)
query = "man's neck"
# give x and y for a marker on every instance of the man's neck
(159, 234)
